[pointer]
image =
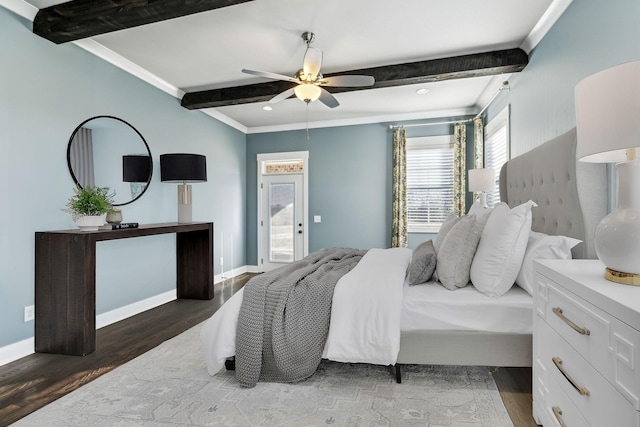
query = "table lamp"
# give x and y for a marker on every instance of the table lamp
(608, 130)
(183, 168)
(482, 181)
(136, 170)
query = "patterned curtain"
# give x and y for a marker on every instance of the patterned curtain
(399, 222)
(459, 168)
(478, 143)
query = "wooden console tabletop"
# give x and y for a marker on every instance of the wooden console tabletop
(65, 279)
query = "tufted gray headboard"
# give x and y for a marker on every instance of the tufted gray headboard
(571, 195)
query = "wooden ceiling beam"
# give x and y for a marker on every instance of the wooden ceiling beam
(474, 65)
(79, 19)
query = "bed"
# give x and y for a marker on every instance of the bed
(571, 199)
(466, 327)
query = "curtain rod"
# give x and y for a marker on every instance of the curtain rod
(504, 86)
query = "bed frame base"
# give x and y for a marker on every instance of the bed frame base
(457, 348)
(465, 348)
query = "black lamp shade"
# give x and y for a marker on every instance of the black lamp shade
(182, 167)
(136, 168)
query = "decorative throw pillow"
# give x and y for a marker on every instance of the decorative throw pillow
(501, 249)
(542, 246)
(423, 263)
(448, 223)
(456, 252)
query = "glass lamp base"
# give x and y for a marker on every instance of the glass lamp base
(620, 277)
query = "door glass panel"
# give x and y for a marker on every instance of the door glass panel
(281, 222)
(284, 167)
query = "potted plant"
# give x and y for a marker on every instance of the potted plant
(87, 206)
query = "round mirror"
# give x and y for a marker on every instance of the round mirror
(106, 151)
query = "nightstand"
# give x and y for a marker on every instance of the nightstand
(586, 347)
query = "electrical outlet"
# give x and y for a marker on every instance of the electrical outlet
(29, 313)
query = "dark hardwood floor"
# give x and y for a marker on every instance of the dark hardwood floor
(36, 380)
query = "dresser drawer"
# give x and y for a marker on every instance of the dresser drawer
(551, 406)
(587, 389)
(608, 344)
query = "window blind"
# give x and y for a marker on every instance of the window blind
(429, 182)
(496, 150)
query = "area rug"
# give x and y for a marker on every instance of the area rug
(169, 386)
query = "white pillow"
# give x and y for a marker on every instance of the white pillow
(501, 249)
(542, 246)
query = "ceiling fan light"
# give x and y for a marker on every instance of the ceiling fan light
(307, 92)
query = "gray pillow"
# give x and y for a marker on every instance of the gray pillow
(448, 223)
(423, 263)
(456, 252)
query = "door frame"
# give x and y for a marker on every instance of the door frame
(262, 160)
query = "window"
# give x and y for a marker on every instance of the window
(496, 149)
(429, 182)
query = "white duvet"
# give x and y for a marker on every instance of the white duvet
(365, 314)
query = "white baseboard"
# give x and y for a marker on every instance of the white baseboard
(23, 348)
(113, 316)
(16, 351)
(235, 272)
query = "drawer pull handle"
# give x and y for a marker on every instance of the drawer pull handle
(565, 319)
(558, 413)
(582, 390)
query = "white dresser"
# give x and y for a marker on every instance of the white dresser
(586, 347)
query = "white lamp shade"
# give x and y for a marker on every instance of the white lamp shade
(608, 114)
(482, 179)
(307, 92)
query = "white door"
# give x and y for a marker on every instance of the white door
(282, 223)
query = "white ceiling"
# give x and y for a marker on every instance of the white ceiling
(208, 51)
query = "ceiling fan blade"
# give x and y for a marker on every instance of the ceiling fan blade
(327, 99)
(348, 81)
(271, 75)
(282, 96)
(312, 62)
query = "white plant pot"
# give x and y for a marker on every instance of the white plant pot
(89, 222)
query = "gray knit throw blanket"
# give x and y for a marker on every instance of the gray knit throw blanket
(284, 317)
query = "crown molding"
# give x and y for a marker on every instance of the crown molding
(365, 120)
(20, 7)
(548, 19)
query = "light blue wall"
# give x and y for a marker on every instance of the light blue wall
(349, 182)
(590, 36)
(46, 90)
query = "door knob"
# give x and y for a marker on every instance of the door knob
(299, 231)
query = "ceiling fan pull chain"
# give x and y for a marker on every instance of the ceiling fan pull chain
(307, 119)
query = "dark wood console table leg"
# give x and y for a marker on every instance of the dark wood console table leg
(194, 264)
(65, 296)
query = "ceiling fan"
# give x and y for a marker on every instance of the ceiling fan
(310, 81)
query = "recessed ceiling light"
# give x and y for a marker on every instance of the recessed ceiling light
(422, 91)
(267, 108)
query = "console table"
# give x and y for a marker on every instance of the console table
(65, 279)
